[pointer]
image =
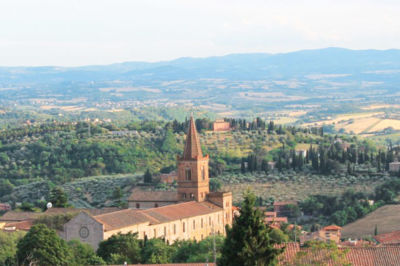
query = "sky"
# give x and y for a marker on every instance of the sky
(86, 32)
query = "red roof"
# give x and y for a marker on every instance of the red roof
(276, 219)
(332, 228)
(357, 256)
(24, 225)
(388, 238)
(284, 203)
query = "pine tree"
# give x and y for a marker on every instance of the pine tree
(147, 178)
(248, 241)
(376, 230)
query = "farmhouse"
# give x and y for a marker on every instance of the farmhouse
(221, 125)
(394, 167)
(191, 212)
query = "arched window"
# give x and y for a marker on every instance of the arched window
(203, 173)
(188, 174)
(201, 222)
(155, 232)
(194, 224)
(165, 231)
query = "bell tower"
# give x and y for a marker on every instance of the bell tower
(193, 181)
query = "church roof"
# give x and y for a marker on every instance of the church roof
(192, 146)
(153, 196)
(130, 217)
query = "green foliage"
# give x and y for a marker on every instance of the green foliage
(55, 222)
(278, 236)
(192, 251)
(321, 253)
(5, 187)
(83, 254)
(148, 177)
(58, 197)
(248, 241)
(215, 184)
(8, 247)
(127, 246)
(42, 246)
(169, 142)
(156, 251)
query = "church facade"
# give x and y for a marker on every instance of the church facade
(191, 212)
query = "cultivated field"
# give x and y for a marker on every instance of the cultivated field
(387, 218)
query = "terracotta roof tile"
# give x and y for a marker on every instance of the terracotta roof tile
(332, 227)
(182, 210)
(94, 212)
(129, 217)
(357, 256)
(24, 225)
(153, 196)
(15, 216)
(389, 238)
(123, 218)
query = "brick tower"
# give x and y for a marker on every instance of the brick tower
(192, 169)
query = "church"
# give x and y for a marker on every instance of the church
(191, 212)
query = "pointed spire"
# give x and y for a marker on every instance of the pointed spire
(192, 146)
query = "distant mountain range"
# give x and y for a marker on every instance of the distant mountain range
(243, 81)
(233, 67)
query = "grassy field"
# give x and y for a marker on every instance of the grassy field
(387, 218)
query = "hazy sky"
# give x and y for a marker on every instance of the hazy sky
(80, 32)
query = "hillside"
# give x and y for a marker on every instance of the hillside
(387, 218)
(283, 87)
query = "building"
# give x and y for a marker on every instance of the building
(282, 207)
(169, 178)
(5, 207)
(191, 212)
(326, 234)
(294, 254)
(388, 238)
(394, 167)
(221, 125)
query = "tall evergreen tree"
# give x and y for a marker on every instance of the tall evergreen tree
(147, 178)
(248, 241)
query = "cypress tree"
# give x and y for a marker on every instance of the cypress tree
(248, 242)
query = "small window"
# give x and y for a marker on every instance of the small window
(194, 224)
(201, 222)
(155, 205)
(191, 195)
(137, 205)
(183, 227)
(174, 229)
(165, 231)
(188, 174)
(203, 173)
(155, 232)
(209, 220)
(184, 195)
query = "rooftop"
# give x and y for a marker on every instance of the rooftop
(153, 196)
(129, 217)
(388, 238)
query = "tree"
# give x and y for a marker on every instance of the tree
(248, 241)
(156, 251)
(83, 254)
(376, 230)
(126, 245)
(147, 178)
(8, 247)
(321, 253)
(215, 184)
(5, 187)
(58, 197)
(169, 142)
(42, 246)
